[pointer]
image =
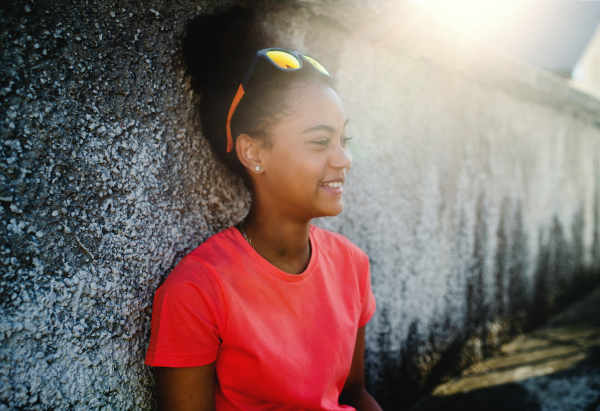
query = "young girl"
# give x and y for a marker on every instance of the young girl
(269, 314)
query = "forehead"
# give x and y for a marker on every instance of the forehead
(315, 104)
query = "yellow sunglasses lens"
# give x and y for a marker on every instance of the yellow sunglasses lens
(316, 64)
(283, 59)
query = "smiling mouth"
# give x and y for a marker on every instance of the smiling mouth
(333, 188)
(333, 184)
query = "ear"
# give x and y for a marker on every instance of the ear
(248, 151)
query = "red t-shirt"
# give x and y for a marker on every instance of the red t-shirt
(280, 341)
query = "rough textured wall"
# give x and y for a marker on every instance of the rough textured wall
(106, 184)
(474, 189)
(475, 192)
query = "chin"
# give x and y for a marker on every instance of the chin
(332, 210)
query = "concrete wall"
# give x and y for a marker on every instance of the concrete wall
(474, 190)
(475, 193)
(586, 74)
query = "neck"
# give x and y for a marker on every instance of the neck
(280, 239)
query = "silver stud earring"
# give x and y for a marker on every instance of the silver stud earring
(257, 168)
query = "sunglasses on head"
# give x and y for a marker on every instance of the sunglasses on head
(283, 59)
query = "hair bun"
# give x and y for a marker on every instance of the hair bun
(221, 46)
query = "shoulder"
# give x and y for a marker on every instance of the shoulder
(330, 241)
(196, 269)
(218, 244)
(189, 280)
(345, 256)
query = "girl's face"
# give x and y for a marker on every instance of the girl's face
(305, 168)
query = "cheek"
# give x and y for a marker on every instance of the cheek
(299, 170)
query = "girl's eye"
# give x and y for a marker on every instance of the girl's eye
(324, 143)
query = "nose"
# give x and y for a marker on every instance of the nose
(341, 158)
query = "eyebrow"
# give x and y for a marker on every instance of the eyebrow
(323, 127)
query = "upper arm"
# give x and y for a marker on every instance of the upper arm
(363, 272)
(188, 314)
(354, 393)
(185, 389)
(188, 318)
(355, 382)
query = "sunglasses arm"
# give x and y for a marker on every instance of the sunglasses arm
(236, 100)
(249, 72)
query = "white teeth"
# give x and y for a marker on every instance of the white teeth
(332, 185)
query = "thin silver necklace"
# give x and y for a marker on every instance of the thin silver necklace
(250, 240)
(244, 233)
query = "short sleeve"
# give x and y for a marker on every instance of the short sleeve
(364, 277)
(188, 315)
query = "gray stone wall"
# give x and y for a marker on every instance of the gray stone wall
(474, 189)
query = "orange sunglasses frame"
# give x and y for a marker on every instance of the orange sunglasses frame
(242, 88)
